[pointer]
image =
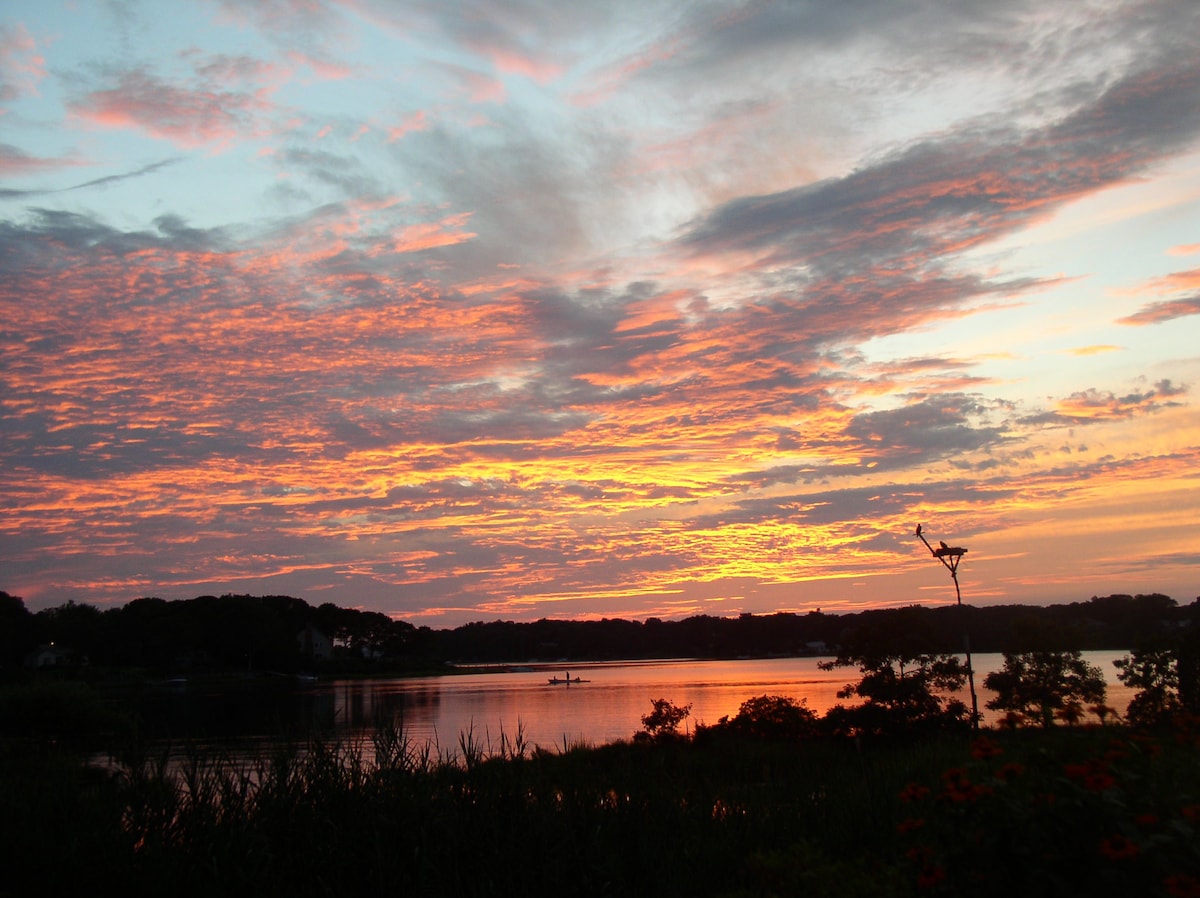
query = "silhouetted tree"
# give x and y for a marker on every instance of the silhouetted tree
(78, 627)
(17, 634)
(901, 691)
(1038, 684)
(1187, 656)
(1154, 672)
(663, 722)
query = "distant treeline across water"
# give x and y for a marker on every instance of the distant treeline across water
(288, 635)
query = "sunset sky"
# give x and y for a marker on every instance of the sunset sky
(512, 309)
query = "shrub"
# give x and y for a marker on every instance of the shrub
(772, 717)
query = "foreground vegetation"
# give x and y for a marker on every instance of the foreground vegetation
(1102, 810)
(895, 795)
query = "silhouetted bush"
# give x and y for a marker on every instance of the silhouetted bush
(770, 717)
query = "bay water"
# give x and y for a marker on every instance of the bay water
(604, 702)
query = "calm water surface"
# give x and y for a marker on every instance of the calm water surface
(607, 707)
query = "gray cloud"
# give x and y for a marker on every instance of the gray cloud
(944, 195)
(932, 428)
(107, 180)
(1094, 406)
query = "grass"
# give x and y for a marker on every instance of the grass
(330, 818)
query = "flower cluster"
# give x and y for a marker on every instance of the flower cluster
(958, 788)
(1093, 774)
(1101, 811)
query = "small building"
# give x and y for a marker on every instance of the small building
(314, 644)
(50, 655)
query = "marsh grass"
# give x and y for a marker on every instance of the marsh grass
(384, 815)
(727, 815)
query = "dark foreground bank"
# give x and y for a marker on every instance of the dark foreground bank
(731, 812)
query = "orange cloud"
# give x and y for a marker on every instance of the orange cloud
(1101, 405)
(1167, 309)
(1174, 282)
(430, 235)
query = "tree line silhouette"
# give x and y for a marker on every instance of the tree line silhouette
(264, 633)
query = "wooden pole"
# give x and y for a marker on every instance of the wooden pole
(950, 556)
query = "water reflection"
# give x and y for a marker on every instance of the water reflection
(361, 704)
(505, 705)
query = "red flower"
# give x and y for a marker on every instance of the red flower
(1148, 744)
(1094, 775)
(909, 824)
(920, 854)
(930, 876)
(1182, 886)
(1118, 848)
(959, 787)
(1146, 819)
(1191, 811)
(1010, 771)
(983, 748)
(913, 792)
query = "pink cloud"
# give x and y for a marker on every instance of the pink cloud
(1178, 280)
(282, 16)
(1179, 306)
(186, 116)
(14, 162)
(429, 235)
(615, 78)
(1163, 311)
(418, 121)
(21, 66)
(517, 64)
(479, 88)
(238, 70)
(484, 88)
(325, 69)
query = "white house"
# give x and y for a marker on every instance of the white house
(314, 643)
